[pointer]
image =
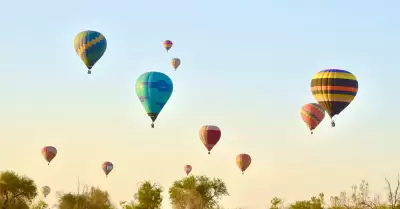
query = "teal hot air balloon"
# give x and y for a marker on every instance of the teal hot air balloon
(90, 47)
(154, 90)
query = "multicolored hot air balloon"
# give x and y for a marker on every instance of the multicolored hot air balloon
(243, 161)
(175, 63)
(312, 114)
(49, 153)
(107, 167)
(90, 47)
(187, 169)
(45, 191)
(334, 90)
(154, 90)
(210, 136)
(167, 44)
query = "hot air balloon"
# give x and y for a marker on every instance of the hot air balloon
(312, 114)
(167, 44)
(107, 167)
(187, 169)
(90, 47)
(334, 90)
(49, 153)
(210, 136)
(243, 161)
(154, 90)
(175, 63)
(45, 191)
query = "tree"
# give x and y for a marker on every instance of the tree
(148, 196)
(276, 203)
(39, 205)
(393, 195)
(314, 203)
(16, 191)
(93, 198)
(197, 192)
(359, 198)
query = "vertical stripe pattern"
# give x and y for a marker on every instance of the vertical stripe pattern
(209, 135)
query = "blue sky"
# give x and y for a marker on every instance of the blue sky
(246, 67)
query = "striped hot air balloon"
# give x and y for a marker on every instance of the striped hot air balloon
(210, 136)
(167, 44)
(107, 167)
(175, 63)
(90, 47)
(187, 169)
(312, 114)
(243, 161)
(334, 90)
(49, 152)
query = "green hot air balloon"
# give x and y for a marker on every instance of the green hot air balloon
(90, 47)
(154, 90)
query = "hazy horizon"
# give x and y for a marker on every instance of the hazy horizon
(246, 67)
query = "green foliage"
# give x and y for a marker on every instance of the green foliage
(93, 198)
(16, 191)
(197, 192)
(148, 196)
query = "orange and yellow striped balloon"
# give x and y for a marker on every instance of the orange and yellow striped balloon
(312, 114)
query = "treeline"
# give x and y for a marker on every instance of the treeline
(193, 192)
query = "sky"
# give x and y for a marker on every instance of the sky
(246, 67)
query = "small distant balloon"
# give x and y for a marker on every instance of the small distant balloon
(175, 63)
(167, 44)
(209, 135)
(334, 90)
(312, 114)
(107, 167)
(154, 90)
(90, 47)
(45, 191)
(243, 161)
(49, 152)
(187, 169)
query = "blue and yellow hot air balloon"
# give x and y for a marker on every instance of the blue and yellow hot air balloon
(154, 90)
(90, 47)
(334, 90)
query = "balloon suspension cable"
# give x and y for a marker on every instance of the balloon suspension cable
(333, 123)
(152, 125)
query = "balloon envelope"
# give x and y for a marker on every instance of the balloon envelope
(334, 89)
(45, 191)
(209, 135)
(49, 152)
(175, 63)
(243, 161)
(154, 90)
(187, 169)
(167, 44)
(312, 114)
(90, 47)
(107, 167)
